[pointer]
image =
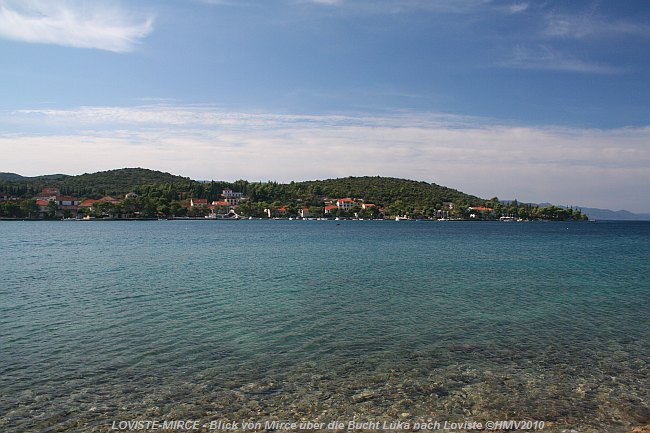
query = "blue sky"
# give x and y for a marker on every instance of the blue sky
(540, 101)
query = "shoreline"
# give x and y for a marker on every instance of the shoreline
(305, 219)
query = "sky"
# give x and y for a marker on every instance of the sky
(542, 101)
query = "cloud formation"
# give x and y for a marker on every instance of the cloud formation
(588, 167)
(589, 25)
(72, 23)
(545, 57)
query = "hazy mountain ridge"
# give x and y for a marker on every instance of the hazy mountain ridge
(618, 215)
(596, 214)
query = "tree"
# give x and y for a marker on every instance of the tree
(51, 208)
(105, 209)
(176, 209)
(29, 208)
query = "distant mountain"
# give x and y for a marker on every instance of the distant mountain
(596, 214)
(619, 215)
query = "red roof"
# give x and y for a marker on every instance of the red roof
(220, 203)
(88, 202)
(200, 200)
(331, 207)
(42, 202)
(346, 200)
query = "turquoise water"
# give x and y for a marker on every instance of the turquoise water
(324, 321)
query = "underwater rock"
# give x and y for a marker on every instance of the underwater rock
(641, 429)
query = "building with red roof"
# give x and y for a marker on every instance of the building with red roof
(345, 203)
(198, 202)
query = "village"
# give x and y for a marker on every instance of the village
(51, 204)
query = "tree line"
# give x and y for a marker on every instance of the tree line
(162, 195)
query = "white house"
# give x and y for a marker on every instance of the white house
(345, 203)
(232, 197)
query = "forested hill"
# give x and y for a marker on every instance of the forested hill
(13, 177)
(379, 190)
(162, 194)
(387, 190)
(120, 181)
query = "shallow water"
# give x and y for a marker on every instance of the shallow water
(324, 321)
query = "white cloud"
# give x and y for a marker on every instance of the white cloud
(72, 23)
(585, 167)
(544, 57)
(518, 7)
(581, 26)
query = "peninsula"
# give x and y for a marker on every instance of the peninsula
(138, 193)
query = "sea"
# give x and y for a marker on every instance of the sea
(280, 325)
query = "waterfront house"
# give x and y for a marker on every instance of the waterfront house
(276, 213)
(43, 208)
(329, 209)
(48, 194)
(304, 213)
(87, 204)
(198, 202)
(345, 203)
(478, 211)
(67, 201)
(232, 197)
(65, 205)
(220, 207)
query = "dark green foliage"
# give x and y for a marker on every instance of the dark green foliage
(398, 196)
(163, 195)
(13, 177)
(112, 182)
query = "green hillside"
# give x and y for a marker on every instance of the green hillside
(388, 190)
(120, 181)
(379, 190)
(164, 194)
(13, 177)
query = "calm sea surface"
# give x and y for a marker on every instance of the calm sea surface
(324, 321)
